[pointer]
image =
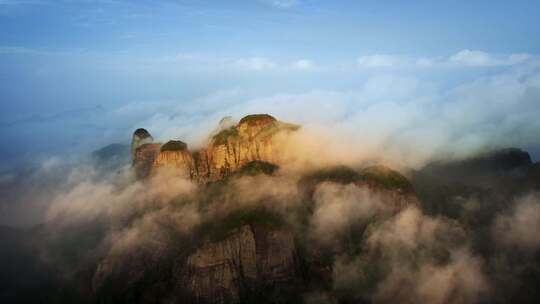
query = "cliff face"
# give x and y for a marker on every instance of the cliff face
(218, 271)
(140, 137)
(143, 159)
(253, 138)
(175, 156)
(249, 259)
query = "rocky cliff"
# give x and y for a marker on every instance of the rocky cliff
(250, 257)
(175, 156)
(253, 138)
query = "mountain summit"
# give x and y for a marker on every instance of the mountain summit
(253, 246)
(253, 138)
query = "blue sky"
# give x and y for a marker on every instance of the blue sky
(77, 74)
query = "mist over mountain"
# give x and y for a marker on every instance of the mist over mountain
(255, 215)
(269, 151)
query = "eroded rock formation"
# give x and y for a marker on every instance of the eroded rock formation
(247, 260)
(175, 156)
(253, 138)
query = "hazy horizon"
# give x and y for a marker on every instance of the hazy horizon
(78, 75)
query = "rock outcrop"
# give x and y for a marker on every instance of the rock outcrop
(253, 138)
(175, 156)
(249, 259)
(140, 137)
(144, 159)
(218, 271)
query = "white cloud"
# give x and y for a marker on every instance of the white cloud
(409, 245)
(463, 58)
(472, 58)
(379, 61)
(282, 3)
(519, 228)
(483, 59)
(518, 58)
(424, 62)
(402, 119)
(303, 64)
(255, 63)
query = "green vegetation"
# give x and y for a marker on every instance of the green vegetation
(218, 229)
(257, 167)
(111, 151)
(387, 178)
(276, 126)
(378, 176)
(256, 117)
(174, 145)
(338, 174)
(221, 137)
(270, 127)
(142, 133)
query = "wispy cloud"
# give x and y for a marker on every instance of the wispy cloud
(255, 63)
(479, 58)
(303, 64)
(519, 227)
(17, 50)
(18, 2)
(282, 3)
(463, 58)
(380, 61)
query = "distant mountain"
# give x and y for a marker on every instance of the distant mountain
(500, 175)
(112, 156)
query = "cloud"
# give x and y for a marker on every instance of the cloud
(411, 116)
(255, 63)
(399, 118)
(283, 4)
(461, 280)
(483, 59)
(418, 259)
(472, 58)
(379, 61)
(91, 196)
(303, 64)
(519, 227)
(338, 207)
(464, 58)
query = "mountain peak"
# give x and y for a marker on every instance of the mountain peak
(252, 139)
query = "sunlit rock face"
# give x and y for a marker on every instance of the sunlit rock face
(175, 156)
(253, 138)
